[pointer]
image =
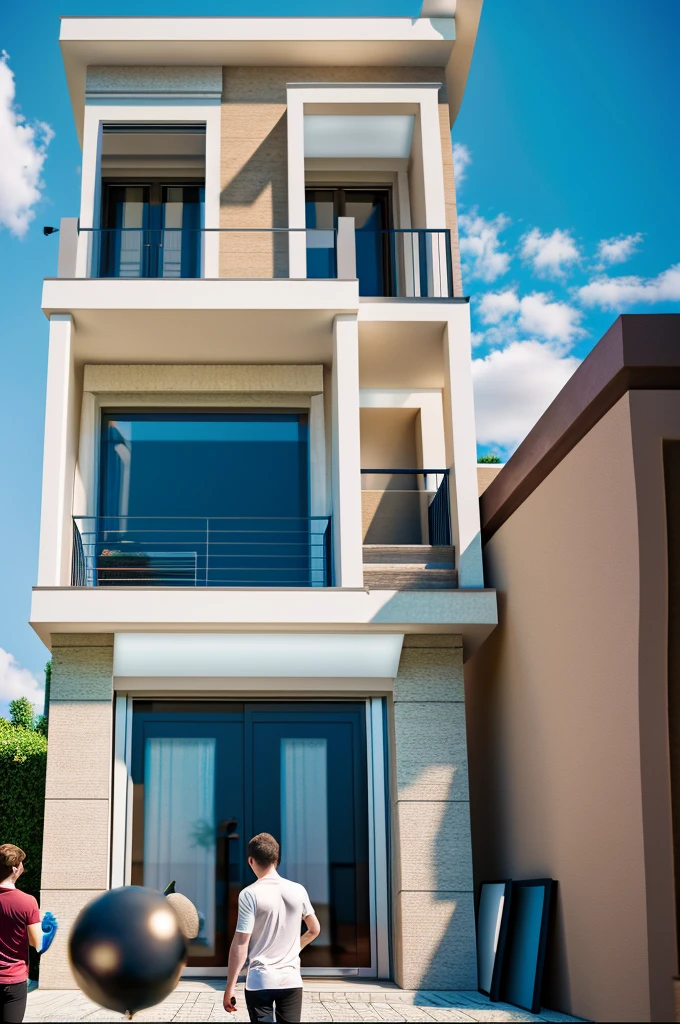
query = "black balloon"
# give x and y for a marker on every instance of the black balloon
(127, 950)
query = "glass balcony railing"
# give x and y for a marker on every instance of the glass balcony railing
(159, 551)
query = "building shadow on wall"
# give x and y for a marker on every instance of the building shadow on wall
(249, 254)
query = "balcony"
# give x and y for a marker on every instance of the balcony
(144, 551)
(388, 263)
(407, 530)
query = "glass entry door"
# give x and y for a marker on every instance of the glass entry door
(151, 230)
(371, 209)
(209, 775)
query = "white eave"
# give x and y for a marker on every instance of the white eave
(355, 42)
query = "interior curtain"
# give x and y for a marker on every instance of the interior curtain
(179, 822)
(304, 822)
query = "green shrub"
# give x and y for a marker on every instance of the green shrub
(485, 459)
(23, 760)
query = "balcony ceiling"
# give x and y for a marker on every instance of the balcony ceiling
(306, 42)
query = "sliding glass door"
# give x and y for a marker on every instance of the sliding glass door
(371, 209)
(209, 775)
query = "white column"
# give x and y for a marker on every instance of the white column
(461, 449)
(90, 190)
(346, 457)
(435, 196)
(296, 185)
(211, 239)
(58, 458)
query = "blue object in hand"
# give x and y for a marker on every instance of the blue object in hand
(49, 928)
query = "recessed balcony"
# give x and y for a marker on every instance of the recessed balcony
(407, 530)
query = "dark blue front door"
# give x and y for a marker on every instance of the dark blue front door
(207, 776)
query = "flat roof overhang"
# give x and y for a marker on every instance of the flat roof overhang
(470, 613)
(307, 42)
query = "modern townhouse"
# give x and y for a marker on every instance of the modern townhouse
(260, 561)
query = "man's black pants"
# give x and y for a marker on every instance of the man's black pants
(288, 1003)
(13, 1002)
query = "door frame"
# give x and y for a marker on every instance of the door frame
(378, 848)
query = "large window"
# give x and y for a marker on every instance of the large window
(213, 498)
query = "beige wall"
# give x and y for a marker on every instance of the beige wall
(433, 898)
(486, 474)
(77, 794)
(554, 724)
(254, 174)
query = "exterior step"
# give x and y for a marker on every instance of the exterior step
(409, 577)
(421, 555)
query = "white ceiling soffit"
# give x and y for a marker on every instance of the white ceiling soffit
(272, 655)
(358, 135)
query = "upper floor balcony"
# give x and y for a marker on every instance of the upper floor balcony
(403, 263)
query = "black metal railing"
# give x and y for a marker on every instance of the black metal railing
(409, 515)
(164, 551)
(395, 262)
(419, 262)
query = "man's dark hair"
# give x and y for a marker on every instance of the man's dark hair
(10, 857)
(264, 850)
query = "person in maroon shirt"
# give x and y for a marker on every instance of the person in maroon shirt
(19, 925)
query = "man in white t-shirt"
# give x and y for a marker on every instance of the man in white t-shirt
(270, 914)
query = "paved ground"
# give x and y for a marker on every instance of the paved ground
(326, 1000)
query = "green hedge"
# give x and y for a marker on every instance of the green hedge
(23, 759)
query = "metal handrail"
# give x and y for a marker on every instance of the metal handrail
(120, 550)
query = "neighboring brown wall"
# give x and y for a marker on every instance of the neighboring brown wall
(486, 474)
(553, 700)
(254, 172)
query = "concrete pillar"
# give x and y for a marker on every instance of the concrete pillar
(461, 451)
(58, 457)
(346, 455)
(75, 865)
(432, 852)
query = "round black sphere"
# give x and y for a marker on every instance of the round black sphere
(126, 949)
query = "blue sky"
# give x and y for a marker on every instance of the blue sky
(567, 139)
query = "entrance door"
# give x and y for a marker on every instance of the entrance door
(371, 209)
(209, 775)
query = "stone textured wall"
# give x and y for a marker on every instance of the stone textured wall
(77, 796)
(254, 167)
(432, 855)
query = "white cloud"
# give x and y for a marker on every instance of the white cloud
(16, 681)
(535, 315)
(462, 158)
(617, 250)
(24, 150)
(549, 255)
(496, 306)
(554, 321)
(513, 388)
(615, 292)
(479, 242)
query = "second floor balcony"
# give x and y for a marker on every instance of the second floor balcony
(411, 263)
